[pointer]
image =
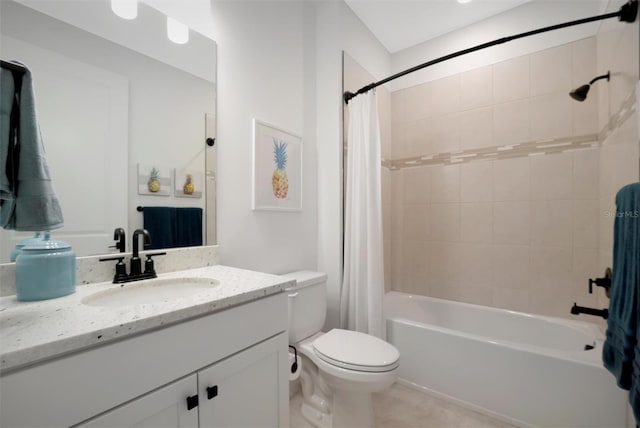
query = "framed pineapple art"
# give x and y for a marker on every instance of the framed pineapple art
(277, 168)
(154, 180)
(188, 183)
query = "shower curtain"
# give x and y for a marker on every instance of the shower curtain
(363, 282)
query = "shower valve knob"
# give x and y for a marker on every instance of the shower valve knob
(604, 282)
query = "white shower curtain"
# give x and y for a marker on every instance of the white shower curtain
(363, 283)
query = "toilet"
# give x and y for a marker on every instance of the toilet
(340, 368)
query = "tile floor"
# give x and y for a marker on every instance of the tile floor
(403, 407)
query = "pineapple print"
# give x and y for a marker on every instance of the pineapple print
(154, 182)
(188, 186)
(279, 180)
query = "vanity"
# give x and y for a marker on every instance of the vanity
(142, 355)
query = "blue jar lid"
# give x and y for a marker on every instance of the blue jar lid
(47, 244)
(23, 243)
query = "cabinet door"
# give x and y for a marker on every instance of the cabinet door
(164, 407)
(248, 389)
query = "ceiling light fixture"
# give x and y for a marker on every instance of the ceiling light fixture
(127, 9)
(464, 1)
(177, 31)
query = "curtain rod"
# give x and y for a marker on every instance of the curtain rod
(627, 13)
(12, 66)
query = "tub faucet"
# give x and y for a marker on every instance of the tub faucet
(577, 310)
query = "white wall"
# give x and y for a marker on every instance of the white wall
(281, 62)
(262, 73)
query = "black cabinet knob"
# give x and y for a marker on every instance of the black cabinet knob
(212, 391)
(192, 402)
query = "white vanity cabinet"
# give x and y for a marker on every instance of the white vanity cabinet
(145, 380)
(236, 392)
(165, 407)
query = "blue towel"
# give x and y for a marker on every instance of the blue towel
(162, 226)
(621, 353)
(27, 199)
(189, 227)
(171, 227)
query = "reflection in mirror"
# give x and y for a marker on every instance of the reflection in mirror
(119, 107)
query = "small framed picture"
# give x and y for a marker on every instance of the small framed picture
(188, 183)
(154, 180)
(277, 168)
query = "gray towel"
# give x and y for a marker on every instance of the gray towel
(36, 205)
(7, 197)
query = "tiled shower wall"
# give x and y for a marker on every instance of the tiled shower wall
(491, 232)
(515, 101)
(514, 231)
(618, 119)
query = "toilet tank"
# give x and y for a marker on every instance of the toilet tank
(307, 304)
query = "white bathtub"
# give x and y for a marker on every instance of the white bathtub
(526, 369)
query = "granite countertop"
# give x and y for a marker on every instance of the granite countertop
(31, 332)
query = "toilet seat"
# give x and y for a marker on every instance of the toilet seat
(344, 378)
(352, 350)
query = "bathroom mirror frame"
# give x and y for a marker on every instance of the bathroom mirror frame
(197, 59)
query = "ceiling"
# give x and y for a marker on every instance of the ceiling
(400, 24)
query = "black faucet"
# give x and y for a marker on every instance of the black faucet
(135, 273)
(577, 310)
(120, 237)
(136, 264)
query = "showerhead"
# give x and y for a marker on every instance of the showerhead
(580, 94)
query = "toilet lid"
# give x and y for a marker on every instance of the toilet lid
(356, 351)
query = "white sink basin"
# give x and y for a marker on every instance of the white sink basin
(150, 291)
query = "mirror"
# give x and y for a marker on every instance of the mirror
(115, 99)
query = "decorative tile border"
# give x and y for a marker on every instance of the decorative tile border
(627, 110)
(530, 148)
(89, 270)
